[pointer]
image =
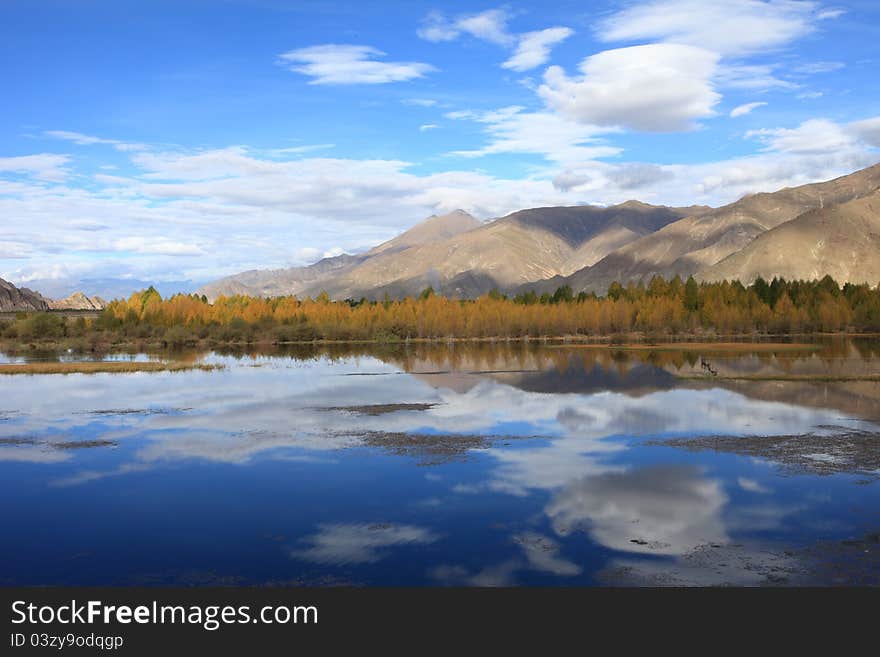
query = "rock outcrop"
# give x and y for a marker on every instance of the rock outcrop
(20, 299)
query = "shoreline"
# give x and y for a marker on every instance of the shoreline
(633, 341)
(100, 367)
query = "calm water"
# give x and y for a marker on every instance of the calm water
(480, 465)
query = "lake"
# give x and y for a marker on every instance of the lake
(450, 465)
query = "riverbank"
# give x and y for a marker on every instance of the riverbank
(100, 367)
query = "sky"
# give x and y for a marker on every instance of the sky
(174, 142)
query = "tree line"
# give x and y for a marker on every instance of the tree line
(660, 308)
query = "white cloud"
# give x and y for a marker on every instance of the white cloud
(751, 77)
(742, 110)
(420, 102)
(428, 126)
(513, 130)
(867, 130)
(295, 150)
(156, 246)
(77, 137)
(81, 139)
(490, 25)
(436, 28)
(733, 27)
(350, 64)
(43, 166)
(533, 48)
(655, 88)
(818, 67)
(813, 136)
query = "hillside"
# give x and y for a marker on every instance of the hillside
(524, 246)
(78, 301)
(841, 240)
(698, 242)
(17, 299)
(297, 280)
(589, 247)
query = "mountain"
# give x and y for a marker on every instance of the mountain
(15, 299)
(433, 229)
(278, 282)
(841, 240)
(109, 287)
(589, 247)
(521, 247)
(298, 280)
(698, 242)
(78, 301)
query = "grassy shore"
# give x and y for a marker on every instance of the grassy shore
(99, 367)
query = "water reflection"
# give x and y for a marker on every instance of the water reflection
(666, 509)
(495, 465)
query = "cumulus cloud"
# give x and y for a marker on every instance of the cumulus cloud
(534, 48)
(350, 64)
(734, 27)
(655, 88)
(742, 110)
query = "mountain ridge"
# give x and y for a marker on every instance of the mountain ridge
(585, 246)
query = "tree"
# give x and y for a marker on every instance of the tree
(563, 293)
(691, 295)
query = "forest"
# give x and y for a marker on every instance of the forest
(662, 309)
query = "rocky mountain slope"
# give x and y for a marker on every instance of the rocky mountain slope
(698, 242)
(841, 240)
(78, 301)
(16, 299)
(297, 280)
(803, 231)
(524, 246)
(278, 282)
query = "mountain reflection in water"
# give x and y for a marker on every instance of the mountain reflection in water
(462, 465)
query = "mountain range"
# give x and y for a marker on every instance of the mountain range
(799, 232)
(802, 232)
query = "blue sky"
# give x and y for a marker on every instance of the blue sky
(174, 142)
